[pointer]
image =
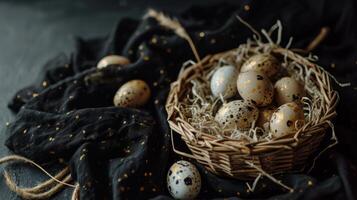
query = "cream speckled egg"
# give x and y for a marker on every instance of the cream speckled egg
(134, 93)
(112, 60)
(265, 115)
(256, 87)
(285, 118)
(237, 114)
(223, 82)
(287, 90)
(263, 63)
(183, 180)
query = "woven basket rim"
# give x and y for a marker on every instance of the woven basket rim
(202, 140)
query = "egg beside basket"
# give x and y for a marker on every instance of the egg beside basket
(191, 108)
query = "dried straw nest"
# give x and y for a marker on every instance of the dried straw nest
(247, 155)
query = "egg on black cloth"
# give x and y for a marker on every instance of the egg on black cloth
(134, 93)
(112, 60)
(183, 180)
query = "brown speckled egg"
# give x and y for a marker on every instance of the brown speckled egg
(265, 115)
(256, 87)
(134, 93)
(223, 82)
(287, 90)
(112, 60)
(183, 180)
(237, 114)
(263, 63)
(285, 118)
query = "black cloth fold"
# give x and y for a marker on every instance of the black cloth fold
(123, 153)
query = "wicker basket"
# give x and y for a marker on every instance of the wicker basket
(246, 160)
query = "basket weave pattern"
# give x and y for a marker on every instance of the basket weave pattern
(235, 158)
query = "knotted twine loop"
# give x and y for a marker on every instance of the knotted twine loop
(43, 190)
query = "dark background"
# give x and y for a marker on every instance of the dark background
(32, 32)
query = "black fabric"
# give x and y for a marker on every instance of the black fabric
(122, 153)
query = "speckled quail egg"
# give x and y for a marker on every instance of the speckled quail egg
(288, 118)
(256, 87)
(263, 63)
(265, 114)
(223, 82)
(112, 60)
(183, 180)
(237, 114)
(134, 93)
(287, 90)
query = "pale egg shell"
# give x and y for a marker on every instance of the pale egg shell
(285, 118)
(237, 114)
(288, 89)
(263, 63)
(265, 116)
(134, 93)
(256, 87)
(183, 180)
(112, 60)
(223, 82)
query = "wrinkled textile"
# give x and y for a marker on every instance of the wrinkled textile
(123, 153)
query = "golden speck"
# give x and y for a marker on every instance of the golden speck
(238, 193)
(309, 183)
(52, 152)
(132, 171)
(125, 175)
(51, 139)
(150, 174)
(7, 123)
(82, 156)
(145, 174)
(156, 101)
(154, 189)
(119, 180)
(77, 116)
(70, 135)
(154, 40)
(100, 117)
(84, 150)
(202, 34)
(61, 160)
(333, 65)
(18, 96)
(71, 97)
(246, 7)
(219, 190)
(44, 83)
(146, 58)
(162, 71)
(142, 143)
(66, 65)
(141, 47)
(57, 128)
(83, 131)
(34, 94)
(142, 189)
(213, 41)
(25, 131)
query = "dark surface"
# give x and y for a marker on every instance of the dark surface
(33, 32)
(334, 174)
